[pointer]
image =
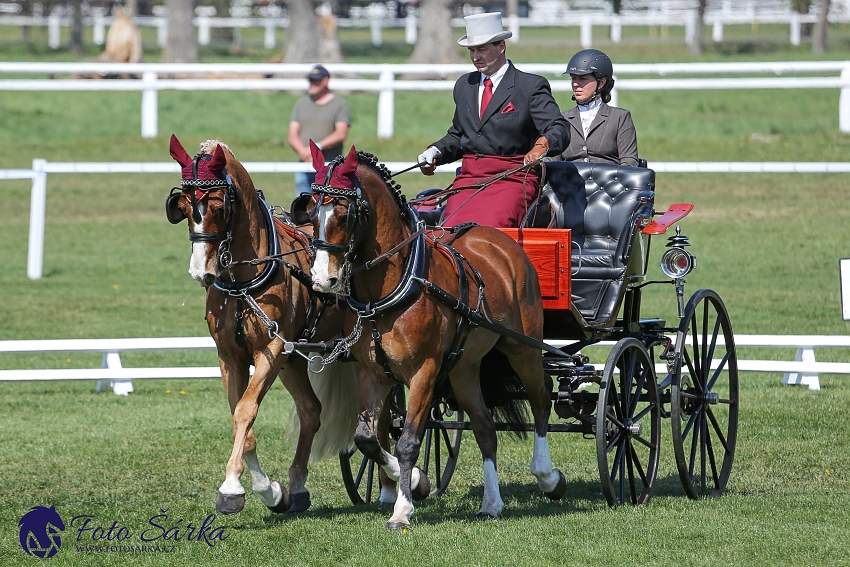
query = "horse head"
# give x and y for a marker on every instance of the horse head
(335, 209)
(205, 198)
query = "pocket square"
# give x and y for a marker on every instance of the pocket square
(509, 108)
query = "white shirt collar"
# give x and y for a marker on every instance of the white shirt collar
(588, 113)
(497, 76)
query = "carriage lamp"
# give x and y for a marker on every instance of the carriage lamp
(676, 262)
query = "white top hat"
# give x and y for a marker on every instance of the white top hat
(483, 28)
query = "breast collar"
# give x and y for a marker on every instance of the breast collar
(408, 288)
(270, 269)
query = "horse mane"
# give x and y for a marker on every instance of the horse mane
(371, 161)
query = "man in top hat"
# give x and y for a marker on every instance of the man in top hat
(503, 118)
(320, 116)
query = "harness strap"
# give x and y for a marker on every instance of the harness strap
(380, 354)
(394, 250)
(479, 318)
(464, 328)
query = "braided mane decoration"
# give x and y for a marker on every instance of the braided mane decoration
(371, 161)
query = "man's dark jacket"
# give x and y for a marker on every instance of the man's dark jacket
(522, 109)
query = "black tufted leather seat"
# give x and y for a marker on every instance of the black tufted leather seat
(602, 204)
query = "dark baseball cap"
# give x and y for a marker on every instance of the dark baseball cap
(317, 73)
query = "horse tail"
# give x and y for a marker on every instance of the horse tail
(336, 388)
(504, 391)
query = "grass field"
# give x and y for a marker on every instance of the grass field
(769, 244)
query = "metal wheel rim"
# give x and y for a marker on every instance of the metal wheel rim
(704, 400)
(628, 461)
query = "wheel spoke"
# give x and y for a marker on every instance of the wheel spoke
(687, 429)
(712, 461)
(641, 472)
(449, 449)
(615, 441)
(638, 390)
(716, 426)
(643, 412)
(720, 368)
(630, 462)
(694, 443)
(697, 361)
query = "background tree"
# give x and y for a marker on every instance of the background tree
(181, 45)
(436, 42)
(311, 37)
(77, 27)
(819, 38)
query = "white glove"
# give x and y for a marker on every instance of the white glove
(429, 158)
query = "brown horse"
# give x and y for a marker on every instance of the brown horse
(370, 247)
(253, 311)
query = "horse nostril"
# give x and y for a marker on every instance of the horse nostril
(332, 282)
(209, 279)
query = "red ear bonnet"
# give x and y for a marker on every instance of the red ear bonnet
(343, 176)
(202, 172)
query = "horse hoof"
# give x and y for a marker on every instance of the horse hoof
(398, 527)
(300, 502)
(229, 504)
(423, 489)
(285, 500)
(386, 505)
(560, 490)
(484, 516)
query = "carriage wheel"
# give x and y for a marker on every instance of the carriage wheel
(628, 424)
(704, 396)
(440, 450)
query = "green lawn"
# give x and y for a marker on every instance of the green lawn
(768, 243)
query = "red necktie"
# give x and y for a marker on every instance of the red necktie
(486, 96)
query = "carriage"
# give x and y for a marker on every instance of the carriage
(573, 273)
(588, 236)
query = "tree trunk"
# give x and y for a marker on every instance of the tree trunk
(436, 43)
(77, 28)
(819, 38)
(311, 37)
(181, 45)
(696, 40)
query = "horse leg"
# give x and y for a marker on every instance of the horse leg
(389, 486)
(231, 494)
(527, 364)
(412, 482)
(466, 385)
(295, 378)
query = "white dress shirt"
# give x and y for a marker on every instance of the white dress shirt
(588, 113)
(495, 77)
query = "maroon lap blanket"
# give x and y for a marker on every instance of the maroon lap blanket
(502, 203)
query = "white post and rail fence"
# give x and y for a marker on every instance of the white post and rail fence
(390, 78)
(804, 370)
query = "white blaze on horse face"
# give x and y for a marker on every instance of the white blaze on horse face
(203, 260)
(321, 265)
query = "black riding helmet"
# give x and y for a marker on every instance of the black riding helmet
(596, 63)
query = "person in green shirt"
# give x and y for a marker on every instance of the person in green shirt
(320, 116)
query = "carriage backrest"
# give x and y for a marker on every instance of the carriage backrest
(595, 200)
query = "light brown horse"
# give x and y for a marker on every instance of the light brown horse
(251, 311)
(368, 248)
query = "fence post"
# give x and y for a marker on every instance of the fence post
(268, 39)
(98, 33)
(38, 206)
(162, 31)
(690, 26)
(120, 387)
(804, 354)
(795, 28)
(586, 32)
(513, 27)
(616, 29)
(410, 30)
(150, 118)
(717, 31)
(203, 30)
(386, 105)
(844, 101)
(375, 26)
(54, 30)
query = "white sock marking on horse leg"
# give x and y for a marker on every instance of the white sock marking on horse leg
(319, 271)
(403, 510)
(270, 494)
(492, 503)
(388, 495)
(231, 486)
(541, 465)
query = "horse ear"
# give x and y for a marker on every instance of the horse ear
(318, 156)
(218, 160)
(178, 153)
(350, 164)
